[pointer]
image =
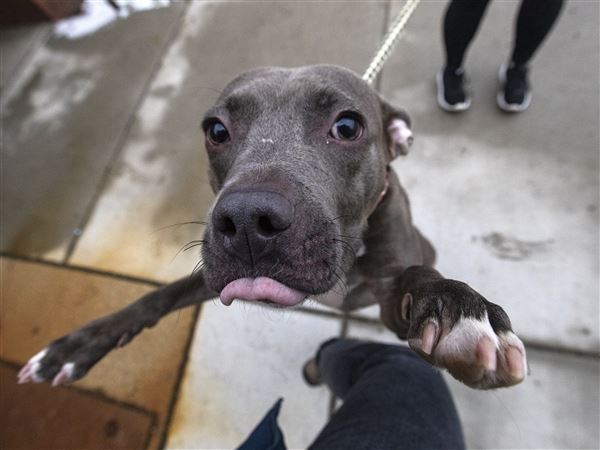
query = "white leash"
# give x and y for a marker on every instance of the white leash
(390, 40)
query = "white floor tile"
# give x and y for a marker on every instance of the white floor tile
(556, 407)
(242, 359)
(313, 305)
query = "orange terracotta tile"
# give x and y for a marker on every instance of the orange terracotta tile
(37, 416)
(41, 303)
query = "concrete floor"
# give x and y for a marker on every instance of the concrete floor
(101, 150)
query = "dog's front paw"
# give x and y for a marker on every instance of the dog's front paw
(70, 357)
(454, 327)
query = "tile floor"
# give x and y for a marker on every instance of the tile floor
(105, 424)
(41, 302)
(101, 151)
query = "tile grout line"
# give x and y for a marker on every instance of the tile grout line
(342, 334)
(92, 393)
(98, 395)
(531, 344)
(83, 269)
(549, 348)
(122, 136)
(153, 426)
(345, 323)
(179, 380)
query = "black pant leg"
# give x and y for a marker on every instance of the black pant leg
(461, 22)
(534, 22)
(392, 400)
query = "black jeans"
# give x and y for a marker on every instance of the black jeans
(392, 399)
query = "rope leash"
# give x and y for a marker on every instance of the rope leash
(389, 41)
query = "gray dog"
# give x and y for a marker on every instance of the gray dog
(308, 206)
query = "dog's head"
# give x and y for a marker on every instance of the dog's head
(298, 159)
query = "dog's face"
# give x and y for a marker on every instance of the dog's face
(298, 160)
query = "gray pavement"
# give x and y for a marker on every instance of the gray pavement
(64, 113)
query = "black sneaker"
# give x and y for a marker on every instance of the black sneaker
(514, 94)
(451, 94)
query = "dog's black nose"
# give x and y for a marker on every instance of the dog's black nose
(249, 222)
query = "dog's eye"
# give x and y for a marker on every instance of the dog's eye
(347, 128)
(217, 133)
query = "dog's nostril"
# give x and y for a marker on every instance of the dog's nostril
(227, 227)
(248, 224)
(265, 226)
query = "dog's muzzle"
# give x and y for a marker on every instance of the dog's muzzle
(249, 224)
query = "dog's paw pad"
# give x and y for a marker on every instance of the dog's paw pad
(429, 337)
(485, 353)
(512, 359)
(473, 353)
(455, 328)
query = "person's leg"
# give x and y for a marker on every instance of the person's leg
(392, 399)
(461, 22)
(534, 22)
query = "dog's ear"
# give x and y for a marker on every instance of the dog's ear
(397, 128)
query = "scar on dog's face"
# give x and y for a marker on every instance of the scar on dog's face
(298, 161)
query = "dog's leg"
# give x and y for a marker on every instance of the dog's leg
(359, 297)
(454, 327)
(427, 250)
(70, 357)
(445, 321)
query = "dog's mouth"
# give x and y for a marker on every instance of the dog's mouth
(261, 289)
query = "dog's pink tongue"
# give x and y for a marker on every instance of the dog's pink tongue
(261, 288)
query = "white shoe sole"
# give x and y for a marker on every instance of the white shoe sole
(501, 101)
(457, 107)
